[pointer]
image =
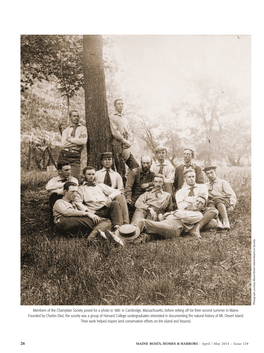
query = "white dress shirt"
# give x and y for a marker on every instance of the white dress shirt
(116, 179)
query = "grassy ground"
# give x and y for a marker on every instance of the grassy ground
(215, 270)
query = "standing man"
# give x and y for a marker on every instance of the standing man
(139, 181)
(163, 166)
(188, 155)
(153, 204)
(55, 185)
(185, 198)
(99, 199)
(73, 138)
(70, 219)
(119, 129)
(113, 179)
(221, 195)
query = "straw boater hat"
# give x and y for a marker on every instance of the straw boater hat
(127, 232)
(209, 167)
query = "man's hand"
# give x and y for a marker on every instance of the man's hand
(126, 144)
(145, 185)
(68, 139)
(96, 219)
(153, 214)
(130, 202)
(230, 209)
(108, 201)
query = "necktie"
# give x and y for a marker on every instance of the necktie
(191, 193)
(107, 179)
(73, 130)
(161, 169)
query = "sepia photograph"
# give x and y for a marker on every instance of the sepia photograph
(134, 153)
(135, 170)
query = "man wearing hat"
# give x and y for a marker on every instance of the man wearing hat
(188, 155)
(121, 145)
(163, 166)
(73, 139)
(113, 179)
(185, 198)
(221, 194)
(107, 175)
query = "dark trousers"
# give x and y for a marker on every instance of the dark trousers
(74, 159)
(112, 212)
(119, 160)
(74, 225)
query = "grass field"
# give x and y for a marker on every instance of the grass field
(215, 270)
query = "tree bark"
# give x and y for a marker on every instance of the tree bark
(96, 112)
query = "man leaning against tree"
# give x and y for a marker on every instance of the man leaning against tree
(73, 139)
(121, 145)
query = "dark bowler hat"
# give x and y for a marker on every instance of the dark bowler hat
(209, 167)
(106, 155)
(128, 232)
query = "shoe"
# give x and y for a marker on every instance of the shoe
(102, 234)
(110, 236)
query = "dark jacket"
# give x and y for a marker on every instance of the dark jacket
(134, 181)
(178, 177)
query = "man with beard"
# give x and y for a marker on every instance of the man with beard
(121, 145)
(188, 155)
(139, 181)
(163, 166)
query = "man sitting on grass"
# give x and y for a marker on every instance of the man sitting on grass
(221, 195)
(71, 220)
(111, 178)
(55, 185)
(172, 224)
(185, 197)
(99, 199)
(152, 204)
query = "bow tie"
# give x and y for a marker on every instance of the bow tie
(91, 184)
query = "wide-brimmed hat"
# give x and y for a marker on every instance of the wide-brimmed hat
(127, 232)
(106, 155)
(209, 167)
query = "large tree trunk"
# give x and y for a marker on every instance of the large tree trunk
(96, 112)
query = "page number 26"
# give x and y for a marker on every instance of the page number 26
(22, 343)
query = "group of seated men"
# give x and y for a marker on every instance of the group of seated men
(101, 206)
